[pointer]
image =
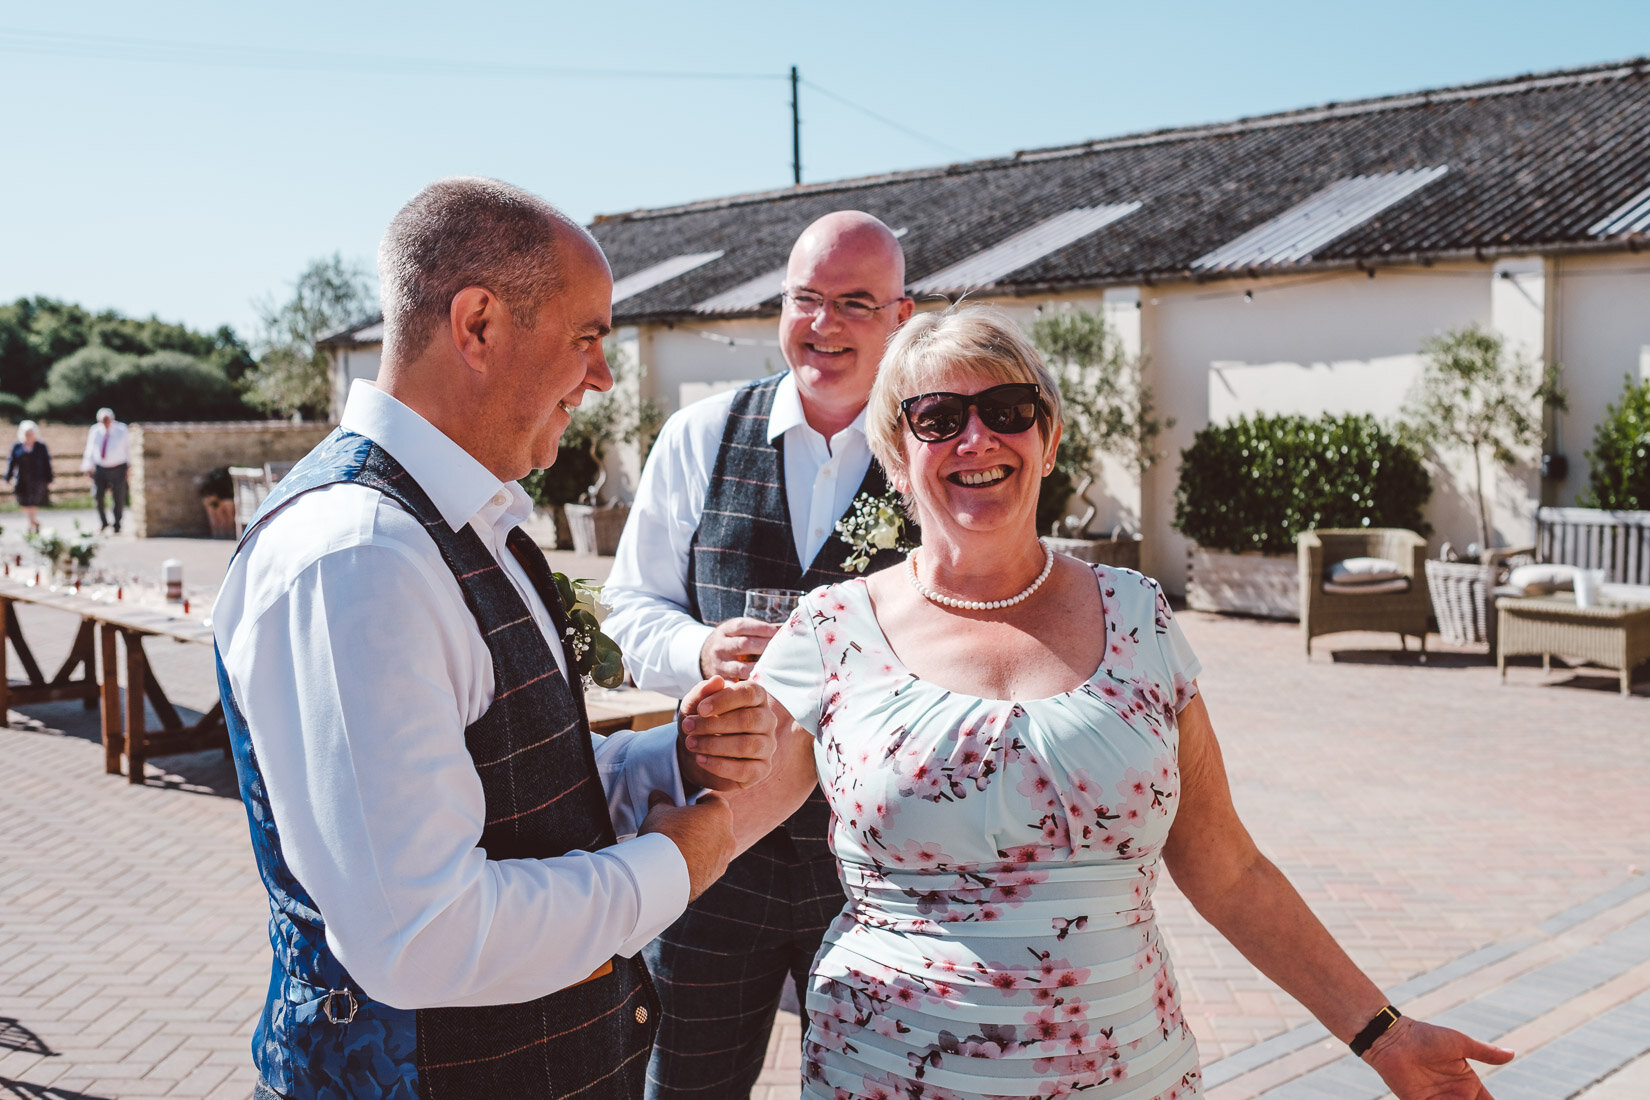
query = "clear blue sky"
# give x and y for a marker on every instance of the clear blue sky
(185, 158)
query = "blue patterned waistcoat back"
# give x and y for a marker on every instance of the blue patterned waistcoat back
(321, 1035)
(745, 541)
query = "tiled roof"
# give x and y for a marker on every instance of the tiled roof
(1554, 161)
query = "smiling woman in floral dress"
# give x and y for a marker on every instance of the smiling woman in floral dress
(1007, 777)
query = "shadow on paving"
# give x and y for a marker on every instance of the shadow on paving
(24, 1090)
(211, 772)
(15, 1036)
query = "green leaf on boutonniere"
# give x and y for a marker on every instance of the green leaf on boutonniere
(595, 655)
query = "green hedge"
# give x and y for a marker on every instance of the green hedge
(1255, 483)
(1618, 466)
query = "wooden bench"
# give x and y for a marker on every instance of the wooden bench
(1591, 538)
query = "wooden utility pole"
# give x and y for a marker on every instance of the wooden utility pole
(796, 132)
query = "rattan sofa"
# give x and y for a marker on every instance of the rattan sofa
(1403, 611)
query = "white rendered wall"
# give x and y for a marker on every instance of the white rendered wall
(1303, 344)
(1602, 336)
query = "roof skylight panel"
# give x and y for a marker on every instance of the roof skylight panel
(1632, 216)
(650, 277)
(1026, 247)
(1304, 228)
(748, 295)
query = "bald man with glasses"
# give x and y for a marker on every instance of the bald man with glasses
(742, 491)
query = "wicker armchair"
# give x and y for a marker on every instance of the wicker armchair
(1404, 610)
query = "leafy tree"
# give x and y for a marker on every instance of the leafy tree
(292, 375)
(1109, 409)
(1618, 466)
(38, 332)
(164, 385)
(1474, 397)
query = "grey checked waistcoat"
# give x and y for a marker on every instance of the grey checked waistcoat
(321, 1035)
(745, 541)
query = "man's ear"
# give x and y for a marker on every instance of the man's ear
(907, 306)
(473, 324)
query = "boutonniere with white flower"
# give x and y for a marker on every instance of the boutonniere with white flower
(595, 655)
(873, 524)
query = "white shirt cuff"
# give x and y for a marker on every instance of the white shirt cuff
(686, 647)
(661, 876)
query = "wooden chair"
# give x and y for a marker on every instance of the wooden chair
(1400, 607)
(252, 484)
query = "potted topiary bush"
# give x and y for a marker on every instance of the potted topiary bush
(1109, 411)
(1247, 488)
(576, 480)
(217, 492)
(1618, 466)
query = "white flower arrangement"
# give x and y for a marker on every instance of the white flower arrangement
(873, 524)
(595, 655)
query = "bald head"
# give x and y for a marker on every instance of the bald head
(468, 231)
(856, 233)
(844, 297)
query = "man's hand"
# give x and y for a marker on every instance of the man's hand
(702, 832)
(733, 646)
(726, 736)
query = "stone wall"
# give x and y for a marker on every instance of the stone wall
(167, 458)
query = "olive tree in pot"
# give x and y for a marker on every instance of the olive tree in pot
(1247, 488)
(1109, 412)
(572, 486)
(1472, 396)
(1475, 397)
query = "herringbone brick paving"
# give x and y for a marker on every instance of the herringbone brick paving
(1426, 812)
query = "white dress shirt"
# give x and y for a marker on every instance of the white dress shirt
(120, 446)
(352, 655)
(647, 590)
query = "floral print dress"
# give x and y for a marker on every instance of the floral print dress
(998, 857)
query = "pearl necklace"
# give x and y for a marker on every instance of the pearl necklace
(983, 605)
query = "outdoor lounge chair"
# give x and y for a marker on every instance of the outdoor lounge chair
(1386, 599)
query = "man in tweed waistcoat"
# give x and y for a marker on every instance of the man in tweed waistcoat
(743, 490)
(459, 879)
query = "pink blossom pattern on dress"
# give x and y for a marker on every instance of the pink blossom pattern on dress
(999, 858)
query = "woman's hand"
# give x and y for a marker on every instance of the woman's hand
(725, 738)
(1422, 1061)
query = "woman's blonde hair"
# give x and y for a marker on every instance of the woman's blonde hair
(976, 339)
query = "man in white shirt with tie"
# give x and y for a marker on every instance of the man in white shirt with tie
(108, 454)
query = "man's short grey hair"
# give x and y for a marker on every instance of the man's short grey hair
(24, 427)
(101, 413)
(461, 232)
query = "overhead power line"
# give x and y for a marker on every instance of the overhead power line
(107, 47)
(886, 121)
(155, 51)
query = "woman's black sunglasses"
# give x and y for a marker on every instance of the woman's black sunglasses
(1009, 409)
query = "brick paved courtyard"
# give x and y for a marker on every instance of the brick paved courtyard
(1479, 849)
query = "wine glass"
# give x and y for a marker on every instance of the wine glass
(771, 605)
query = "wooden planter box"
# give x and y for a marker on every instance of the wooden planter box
(595, 530)
(1123, 552)
(1251, 583)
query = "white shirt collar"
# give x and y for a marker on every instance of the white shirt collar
(787, 411)
(457, 484)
